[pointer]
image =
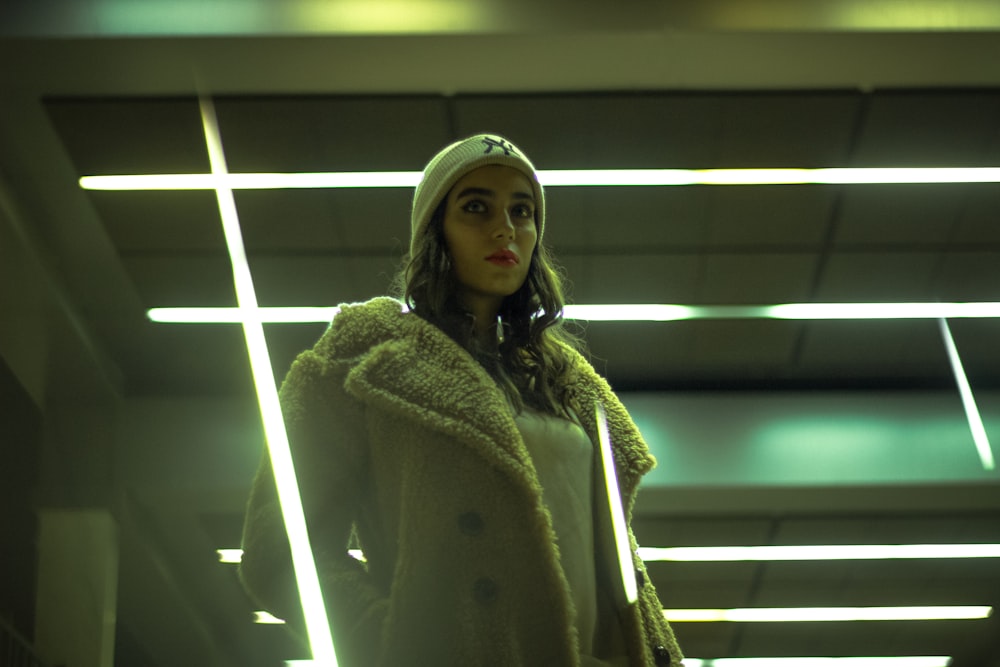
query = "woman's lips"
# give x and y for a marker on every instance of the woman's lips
(503, 258)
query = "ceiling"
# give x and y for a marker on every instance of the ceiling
(644, 84)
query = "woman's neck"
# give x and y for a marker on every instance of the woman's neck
(484, 315)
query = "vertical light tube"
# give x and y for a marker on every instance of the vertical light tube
(615, 511)
(314, 611)
(968, 400)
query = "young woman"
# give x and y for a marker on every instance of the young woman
(455, 441)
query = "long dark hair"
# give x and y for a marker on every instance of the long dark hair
(533, 363)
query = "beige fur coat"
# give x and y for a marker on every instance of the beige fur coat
(402, 442)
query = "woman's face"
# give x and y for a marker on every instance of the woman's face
(489, 228)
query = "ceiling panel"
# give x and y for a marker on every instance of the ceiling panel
(319, 281)
(602, 220)
(161, 222)
(978, 218)
(926, 128)
(183, 359)
(879, 276)
(168, 280)
(914, 215)
(760, 278)
(632, 278)
(387, 133)
(970, 276)
(333, 221)
(707, 354)
(744, 349)
(777, 216)
(875, 351)
(131, 136)
(692, 130)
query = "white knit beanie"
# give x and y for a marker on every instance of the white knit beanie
(458, 159)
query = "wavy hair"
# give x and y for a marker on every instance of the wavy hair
(533, 363)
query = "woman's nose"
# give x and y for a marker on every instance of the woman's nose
(504, 226)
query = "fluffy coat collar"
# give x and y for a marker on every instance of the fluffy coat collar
(400, 363)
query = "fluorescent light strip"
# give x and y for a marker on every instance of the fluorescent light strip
(775, 553)
(825, 614)
(551, 178)
(230, 556)
(636, 312)
(629, 312)
(264, 618)
(234, 556)
(874, 661)
(836, 176)
(281, 315)
(619, 526)
(882, 311)
(646, 312)
(800, 614)
(968, 400)
(314, 611)
(819, 552)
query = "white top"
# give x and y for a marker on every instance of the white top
(564, 459)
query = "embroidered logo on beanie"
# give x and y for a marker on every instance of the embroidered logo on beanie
(505, 146)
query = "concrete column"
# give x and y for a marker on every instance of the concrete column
(77, 593)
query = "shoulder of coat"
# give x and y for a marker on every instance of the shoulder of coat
(358, 327)
(590, 386)
(584, 376)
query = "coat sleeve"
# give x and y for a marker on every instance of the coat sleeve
(326, 434)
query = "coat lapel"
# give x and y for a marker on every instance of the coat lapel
(416, 371)
(632, 458)
(424, 375)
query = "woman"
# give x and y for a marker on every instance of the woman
(454, 441)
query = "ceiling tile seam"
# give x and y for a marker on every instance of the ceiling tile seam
(833, 223)
(756, 583)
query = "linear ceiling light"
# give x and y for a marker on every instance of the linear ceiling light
(972, 414)
(799, 614)
(552, 178)
(313, 609)
(264, 618)
(231, 556)
(286, 315)
(882, 311)
(234, 556)
(620, 312)
(776, 553)
(874, 661)
(819, 552)
(824, 614)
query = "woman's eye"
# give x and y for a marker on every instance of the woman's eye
(523, 211)
(474, 206)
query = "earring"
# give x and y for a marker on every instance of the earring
(500, 336)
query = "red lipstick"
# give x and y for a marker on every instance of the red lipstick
(503, 258)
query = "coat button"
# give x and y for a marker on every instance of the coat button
(661, 655)
(470, 523)
(484, 590)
